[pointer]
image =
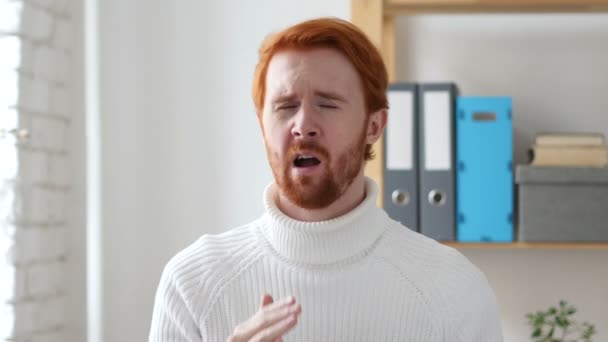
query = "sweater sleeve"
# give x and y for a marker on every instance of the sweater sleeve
(473, 307)
(172, 320)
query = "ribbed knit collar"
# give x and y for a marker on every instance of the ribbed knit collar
(324, 242)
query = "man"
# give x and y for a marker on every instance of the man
(339, 268)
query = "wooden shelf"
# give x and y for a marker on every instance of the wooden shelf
(404, 7)
(532, 245)
(377, 19)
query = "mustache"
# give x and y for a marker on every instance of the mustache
(313, 147)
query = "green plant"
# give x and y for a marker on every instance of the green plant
(556, 325)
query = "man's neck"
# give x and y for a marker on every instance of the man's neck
(352, 197)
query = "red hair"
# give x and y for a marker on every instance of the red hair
(333, 33)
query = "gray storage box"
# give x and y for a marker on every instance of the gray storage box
(562, 203)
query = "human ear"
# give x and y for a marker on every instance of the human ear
(375, 125)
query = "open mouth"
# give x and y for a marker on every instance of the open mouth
(303, 160)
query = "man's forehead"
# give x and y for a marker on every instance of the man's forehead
(290, 71)
(288, 88)
(299, 56)
(327, 61)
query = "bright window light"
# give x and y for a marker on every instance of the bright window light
(10, 56)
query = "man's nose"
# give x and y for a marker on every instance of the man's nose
(305, 125)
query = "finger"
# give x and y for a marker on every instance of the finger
(266, 300)
(276, 330)
(269, 316)
(289, 300)
(266, 318)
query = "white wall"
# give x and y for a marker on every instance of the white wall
(36, 52)
(137, 109)
(182, 153)
(556, 69)
(76, 306)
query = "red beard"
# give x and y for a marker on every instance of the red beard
(316, 192)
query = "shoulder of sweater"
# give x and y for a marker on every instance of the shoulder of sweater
(197, 273)
(453, 287)
(425, 258)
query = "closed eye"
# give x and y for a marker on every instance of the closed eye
(328, 106)
(287, 107)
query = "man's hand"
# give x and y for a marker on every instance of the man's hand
(270, 323)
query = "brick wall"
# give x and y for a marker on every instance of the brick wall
(36, 222)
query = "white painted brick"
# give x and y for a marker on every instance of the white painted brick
(58, 207)
(33, 167)
(61, 68)
(8, 199)
(8, 321)
(38, 32)
(51, 64)
(7, 171)
(33, 95)
(10, 46)
(38, 209)
(9, 168)
(31, 205)
(57, 246)
(16, 208)
(62, 6)
(10, 16)
(45, 279)
(10, 120)
(37, 316)
(63, 34)
(24, 338)
(46, 4)
(37, 24)
(25, 122)
(48, 134)
(14, 282)
(50, 313)
(8, 229)
(54, 6)
(38, 244)
(8, 276)
(24, 314)
(60, 102)
(51, 336)
(46, 59)
(9, 81)
(13, 279)
(20, 283)
(59, 170)
(27, 57)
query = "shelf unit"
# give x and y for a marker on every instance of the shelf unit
(532, 245)
(377, 19)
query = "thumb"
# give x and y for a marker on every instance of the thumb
(266, 299)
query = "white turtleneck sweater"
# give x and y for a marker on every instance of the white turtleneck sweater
(359, 277)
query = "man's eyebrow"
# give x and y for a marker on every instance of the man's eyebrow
(284, 98)
(330, 96)
(324, 94)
